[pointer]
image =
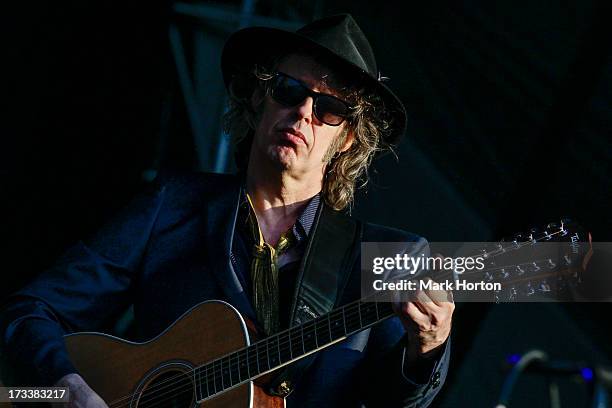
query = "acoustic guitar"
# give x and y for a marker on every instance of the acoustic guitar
(207, 358)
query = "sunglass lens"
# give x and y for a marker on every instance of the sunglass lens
(330, 110)
(288, 91)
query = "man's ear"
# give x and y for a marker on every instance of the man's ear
(348, 141)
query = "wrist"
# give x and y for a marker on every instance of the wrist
(70, 380)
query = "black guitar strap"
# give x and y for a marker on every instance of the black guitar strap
(321, 279)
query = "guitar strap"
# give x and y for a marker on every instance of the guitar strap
(323, 274)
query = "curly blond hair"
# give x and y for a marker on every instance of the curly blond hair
(346, 171)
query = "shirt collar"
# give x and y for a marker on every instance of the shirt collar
(303, 223)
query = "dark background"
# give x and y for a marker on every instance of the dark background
(510, 124)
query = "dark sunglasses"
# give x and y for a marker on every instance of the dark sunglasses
(291, 92)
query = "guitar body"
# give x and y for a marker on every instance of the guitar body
(127, 374)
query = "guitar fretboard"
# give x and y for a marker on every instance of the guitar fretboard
(274, 351)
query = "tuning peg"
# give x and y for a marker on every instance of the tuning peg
(532, 238)
(504, 273)
(551, 264)
(519, 270)
(544, 286)
(513, 294)
(535, 266)
(560, 227)
(529, 290)
(568, 260)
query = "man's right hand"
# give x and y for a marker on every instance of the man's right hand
(81, 394)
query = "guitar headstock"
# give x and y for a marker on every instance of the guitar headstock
(543, 263)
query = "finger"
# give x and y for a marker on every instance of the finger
(438, 265)
(411, 311)
(437, 296)
(425, 303)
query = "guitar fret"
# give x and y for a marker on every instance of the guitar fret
(234, 369)
(253, 361)
(322, 330)
(237, 364)
(352, 325)
(217, 380)
(206, 367)
(222, 376)
(273, 351)
(284, 347)
(297, 342)
(368, 314)
(268, 353)
(309, 337)
(244, 366)
(198, 384)
(263, 363)
(337, 329)
(302, 335)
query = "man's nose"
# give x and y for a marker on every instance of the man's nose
(305, 108)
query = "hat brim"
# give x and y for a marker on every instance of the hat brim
(255, 45)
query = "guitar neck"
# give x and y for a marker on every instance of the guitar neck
(287, 346)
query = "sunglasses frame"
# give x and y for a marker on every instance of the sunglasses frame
(308, 92)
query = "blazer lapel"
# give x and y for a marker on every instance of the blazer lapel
(222, 211)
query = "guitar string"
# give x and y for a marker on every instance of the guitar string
(186, 375)
(172, 381)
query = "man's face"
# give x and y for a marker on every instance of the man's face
(292, 138)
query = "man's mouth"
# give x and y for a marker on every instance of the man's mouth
(292, 136)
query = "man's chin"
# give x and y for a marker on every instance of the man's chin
(284, 156)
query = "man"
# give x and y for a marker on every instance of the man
(308, 113)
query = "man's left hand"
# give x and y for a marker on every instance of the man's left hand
(427, 320)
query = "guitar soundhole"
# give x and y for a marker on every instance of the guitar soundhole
(172, 389)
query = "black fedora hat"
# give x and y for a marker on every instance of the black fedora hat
(338, 38)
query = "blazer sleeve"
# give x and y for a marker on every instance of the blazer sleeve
(86, 289)
(386, 379)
